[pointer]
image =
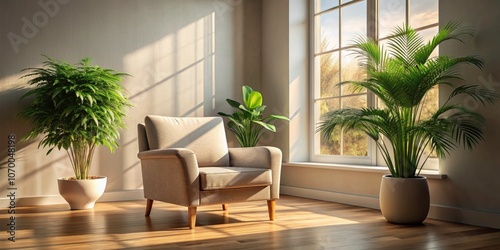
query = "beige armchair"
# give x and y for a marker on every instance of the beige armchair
(186, 161)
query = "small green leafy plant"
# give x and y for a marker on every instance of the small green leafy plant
(75, 108)
(401, 77)
(247, 121)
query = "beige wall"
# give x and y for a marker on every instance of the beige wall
(185, 57)
(285, 75)
(472, 182)
(275, 59)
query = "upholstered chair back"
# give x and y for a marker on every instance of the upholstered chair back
(205, 136)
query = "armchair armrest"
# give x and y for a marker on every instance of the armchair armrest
(170, 175)
(165, 153)
(260, 157)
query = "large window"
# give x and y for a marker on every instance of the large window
(336, 24)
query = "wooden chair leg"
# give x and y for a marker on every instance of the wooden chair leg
(271, 207)
(224, 207)
(149, 205)
(192, 217)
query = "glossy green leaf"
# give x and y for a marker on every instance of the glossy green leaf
(254, 100)
(247, 121)
(233, 103)
(246, 90)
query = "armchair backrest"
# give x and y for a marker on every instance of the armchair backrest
(205, 136)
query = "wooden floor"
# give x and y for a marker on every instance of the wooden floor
(300, 224)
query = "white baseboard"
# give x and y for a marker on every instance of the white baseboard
(465, 216)
(356, 200)
(439, 212)
(57, 199)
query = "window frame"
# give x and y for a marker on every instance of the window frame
(373, 157)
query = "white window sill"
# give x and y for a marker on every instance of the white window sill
(431, 174)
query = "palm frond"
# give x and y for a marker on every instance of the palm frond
(450, 31)
(404, 43)
(401, 78)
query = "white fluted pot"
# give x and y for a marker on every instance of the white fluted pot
(404, 200)
(82, 194)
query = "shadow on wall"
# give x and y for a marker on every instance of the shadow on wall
(11, 125)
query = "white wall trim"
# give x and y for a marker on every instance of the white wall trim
(356, 200)
(430, 174)
(465, 216)
(125, 195)
(439, 212)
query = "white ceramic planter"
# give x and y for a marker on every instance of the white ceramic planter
(82, 194)
(404, 200)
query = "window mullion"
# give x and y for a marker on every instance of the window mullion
(371, 18)
(407, 20)
(372, 32)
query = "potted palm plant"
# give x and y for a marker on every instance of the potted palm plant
(401, 77)
(247, 121)
(76, 108)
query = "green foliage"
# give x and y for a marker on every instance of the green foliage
(247, 121)
(75, 108)
(401, 77)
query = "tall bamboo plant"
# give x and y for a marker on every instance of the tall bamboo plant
(401, 77)
(75, 108)
(247, 121)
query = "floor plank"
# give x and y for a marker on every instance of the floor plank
(300, 224)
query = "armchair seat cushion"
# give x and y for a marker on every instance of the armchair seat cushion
(212, 178)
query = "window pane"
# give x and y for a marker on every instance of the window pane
(355, 143)
(328, 105)
(391, 14)
(430, 106)
(351, 71)
(350, 143)
(329, 146)
(332, 145)
(358, 101)
(345, 1)
(353, 22)
(427, 35)
(329, 30)
(430, 103)
(322, 5)
(329, 75)
(423, 12)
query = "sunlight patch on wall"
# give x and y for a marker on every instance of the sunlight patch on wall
(11, 82)
(172, 76)
(297, 116)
